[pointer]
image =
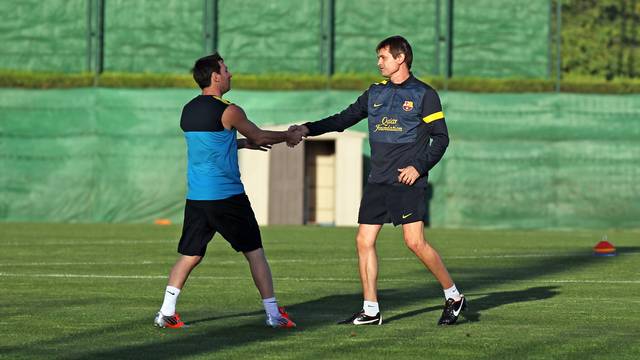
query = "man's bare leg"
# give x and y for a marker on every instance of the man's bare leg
(167, 316)
(260, 272)
(368, 260)
(368, 267)
(181, 270)
(415, 241)
(454, 301)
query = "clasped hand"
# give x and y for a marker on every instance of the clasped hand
(295, 134)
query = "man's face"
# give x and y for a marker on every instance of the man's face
(224, 78)
(387, 64)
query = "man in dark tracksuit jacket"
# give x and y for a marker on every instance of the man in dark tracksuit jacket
(408, 136)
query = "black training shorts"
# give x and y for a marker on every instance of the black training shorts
(399, 204)
(232, 217)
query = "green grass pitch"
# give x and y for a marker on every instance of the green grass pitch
(91, 291)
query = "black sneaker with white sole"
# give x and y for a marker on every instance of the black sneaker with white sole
(360, 318)
(452, 310)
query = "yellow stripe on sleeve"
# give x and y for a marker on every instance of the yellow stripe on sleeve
(433, 117)
(221, 99)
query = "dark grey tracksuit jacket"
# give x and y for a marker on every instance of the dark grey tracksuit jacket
(406, 127)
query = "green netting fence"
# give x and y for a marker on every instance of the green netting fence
(495, 38)
(44, 35)
(515, 160)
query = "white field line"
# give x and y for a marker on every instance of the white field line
(306, 279)
(306, 261)
(91, 243)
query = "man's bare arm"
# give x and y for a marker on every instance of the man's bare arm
(246, 144)
(235, 117)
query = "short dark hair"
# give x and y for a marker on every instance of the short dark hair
(397, 45)
(204, 67)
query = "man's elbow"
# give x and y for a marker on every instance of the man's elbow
(441, 141)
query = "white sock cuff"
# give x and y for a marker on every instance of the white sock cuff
(170, 298)
(370, 308)
(271, 307)
(452, 293)
(174, 290)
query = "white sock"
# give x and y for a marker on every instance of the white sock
(170, 298)
(271, 307)
(370, 308)
(452, 293)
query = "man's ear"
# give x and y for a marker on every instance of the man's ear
(400, 59)
(215, 77)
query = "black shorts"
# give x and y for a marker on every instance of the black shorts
(399, 204)
(232, 217)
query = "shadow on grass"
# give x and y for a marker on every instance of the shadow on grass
(489, 301)
(222, 317)
(212, 335)
(496, 299)
(628, 250)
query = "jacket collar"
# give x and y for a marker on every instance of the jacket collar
(402, 84)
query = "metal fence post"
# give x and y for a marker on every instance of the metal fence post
(210, 26)
(550, 42)
(558, 44)
(95, 38)
(327, 37)
(449, 73)
(633, 39)
(90, 34)
(436, 67)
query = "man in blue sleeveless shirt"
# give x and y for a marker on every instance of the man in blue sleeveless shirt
(216, 201)
(408, 136)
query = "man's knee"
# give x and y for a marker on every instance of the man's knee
(364, 243)
(192, 260)
(415, 244)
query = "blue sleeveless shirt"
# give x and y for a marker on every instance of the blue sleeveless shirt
(212, 151)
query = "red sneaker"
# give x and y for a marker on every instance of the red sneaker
(172, 321)
(283, 321)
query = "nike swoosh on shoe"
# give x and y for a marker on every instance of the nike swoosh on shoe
(457, 312)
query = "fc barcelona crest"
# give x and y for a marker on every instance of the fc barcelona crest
(407, 106)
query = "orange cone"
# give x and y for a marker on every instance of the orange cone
(604, 248)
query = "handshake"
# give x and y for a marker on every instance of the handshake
(295, 134)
